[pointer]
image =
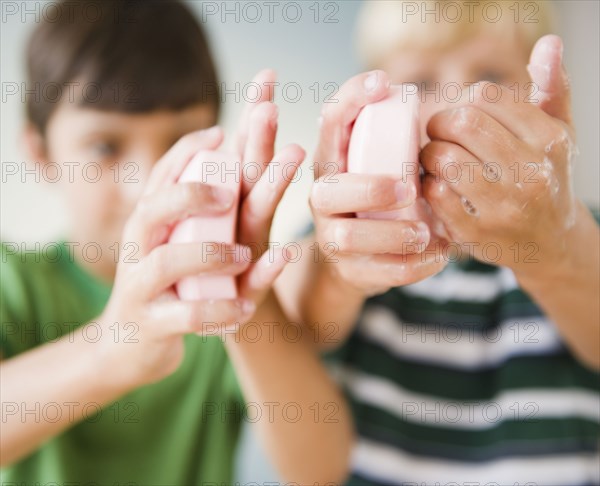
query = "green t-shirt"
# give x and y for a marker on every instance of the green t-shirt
(180, 431)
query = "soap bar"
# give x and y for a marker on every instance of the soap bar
(385, 140)
(220, 169)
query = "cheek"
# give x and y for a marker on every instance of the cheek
(90, 193)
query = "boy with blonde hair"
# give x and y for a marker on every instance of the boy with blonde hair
(480, 369)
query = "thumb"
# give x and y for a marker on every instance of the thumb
(551, 87)
(254, 283)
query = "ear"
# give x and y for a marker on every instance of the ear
(34, 143)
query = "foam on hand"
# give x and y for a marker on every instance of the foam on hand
(385, 140)
(217, 169)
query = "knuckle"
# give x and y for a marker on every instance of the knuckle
(341, 235)
(465, 119)
(376, 192)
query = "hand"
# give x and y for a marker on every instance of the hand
(143, 292)
(370, 256)
(143, 297)
(499, 173)
(265, 178)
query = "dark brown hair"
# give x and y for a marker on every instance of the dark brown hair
(120, 55)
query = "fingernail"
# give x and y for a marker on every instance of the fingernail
(406, 191)
(223, 197)
(371, 81)
(551, 46)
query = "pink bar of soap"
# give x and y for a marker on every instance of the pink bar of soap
(385, 140)
(217, 169)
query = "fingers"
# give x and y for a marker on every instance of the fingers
(370, 236)
(209, 317)
(171, 165)
(260, 277)
(170, 204)
(264, 82)
(169, 263)
(337, 118)
(259, 145)
(357, 92)
(503, 105)
(457, 212)
(385, 271)
(259, 206)
(476, 131)
(351, 193)
(553, 93)
(452, 164)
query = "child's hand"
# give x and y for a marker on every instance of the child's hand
(143, 299)
(499, 173)
(265, 178)
(143, 292)
(368, 254)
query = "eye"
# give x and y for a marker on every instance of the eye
(104, 150)
(492, 76)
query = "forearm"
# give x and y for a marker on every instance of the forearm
(310, 436)
(331, 300)
(324, 301)
(63, 378)
(568, 292)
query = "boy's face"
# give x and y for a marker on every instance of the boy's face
(105, 159)
(478, 58)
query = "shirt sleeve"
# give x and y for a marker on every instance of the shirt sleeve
(15, 308)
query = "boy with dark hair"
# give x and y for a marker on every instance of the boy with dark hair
(104, 379)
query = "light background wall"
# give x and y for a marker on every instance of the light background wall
(305, 52)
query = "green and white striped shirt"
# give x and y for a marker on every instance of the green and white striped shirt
(460, 379)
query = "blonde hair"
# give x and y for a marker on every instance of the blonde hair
(386, 26)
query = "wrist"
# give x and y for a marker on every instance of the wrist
(113, 370)
(330, 277)
(561, 255)
(104, 373)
